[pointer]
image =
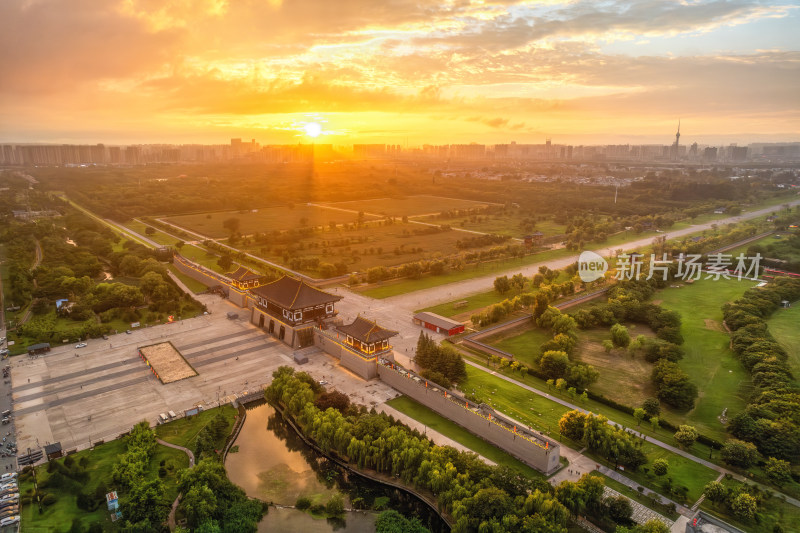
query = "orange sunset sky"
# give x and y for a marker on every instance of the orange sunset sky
(397, 71)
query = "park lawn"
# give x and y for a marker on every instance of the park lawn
(783, 325)
(408, 206)
(635, 495)
(450, 429)
(264, 220)
(772, 511)
(183, 431)
(195, 286)
(544, 414)
(721, 379)
(59, 516)
(523, 341)
(203, 257)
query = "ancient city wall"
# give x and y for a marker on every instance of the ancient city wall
(362, 367)
(196, 272)
(532, 449)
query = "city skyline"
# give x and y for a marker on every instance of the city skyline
(360, 72)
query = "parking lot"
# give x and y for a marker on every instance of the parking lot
(78, 396)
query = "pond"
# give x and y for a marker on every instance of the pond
(275, 465)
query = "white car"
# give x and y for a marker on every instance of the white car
(9, 475)
(81, 345)
(9, 520)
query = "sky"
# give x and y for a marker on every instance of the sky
(403, 72)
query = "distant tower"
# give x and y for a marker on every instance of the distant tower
(675, 150)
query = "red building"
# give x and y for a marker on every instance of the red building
(438, 323)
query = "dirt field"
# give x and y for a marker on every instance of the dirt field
(167, 362)
(409, 206)
(623, 377)
(263, 220)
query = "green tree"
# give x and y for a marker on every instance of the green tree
(619, 508)
(715, 492)
(502, 284)
(686, 436)
(660, 467)
(335, 505)
(620, 336)
(639, 415)
(744, 506)
(225, 262)
(553, 364)
(739, 453)
(571, 425)
(778, 470)
(199, 504)
(651, 407)
(654, 423)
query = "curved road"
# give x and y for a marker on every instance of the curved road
(452, 291)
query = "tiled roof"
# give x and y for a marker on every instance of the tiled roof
(366, 331)
(437, 320)
(291, 293)
(242, 274)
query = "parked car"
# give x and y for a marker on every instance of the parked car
(81, 345)
(9, 521)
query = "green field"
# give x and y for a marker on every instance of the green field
(543, 414)
(523, 341)
(722, 380)
(264, 220)
(58, 516)
(784, 325)
(508, 222)
(408, 206)
(422, 414)
(369, 245)
(159, 236)
(183, 431)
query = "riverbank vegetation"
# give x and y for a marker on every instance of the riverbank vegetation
(476, 496)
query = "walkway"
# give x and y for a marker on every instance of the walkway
(187, 451)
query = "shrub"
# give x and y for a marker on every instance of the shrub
(49, 499)
(302, 503)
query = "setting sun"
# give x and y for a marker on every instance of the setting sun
(313, 129)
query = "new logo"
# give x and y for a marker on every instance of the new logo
(591, 266)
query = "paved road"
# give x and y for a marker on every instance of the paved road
(649, 439)
(452, 291)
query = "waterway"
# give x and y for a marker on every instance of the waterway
(275, 465)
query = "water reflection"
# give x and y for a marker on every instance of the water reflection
(275, 465)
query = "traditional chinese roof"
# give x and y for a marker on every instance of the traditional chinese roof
(437, 320)
(242, 274)
(291, 293)
(366, 331)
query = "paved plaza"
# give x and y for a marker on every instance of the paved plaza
(79, 396)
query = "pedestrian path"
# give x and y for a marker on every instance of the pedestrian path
(641, 514)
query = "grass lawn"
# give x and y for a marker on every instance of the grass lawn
(783, 325)
(183, 431)
(502, 223)
(59, 516)
(635, 495)
(522, 341)
(543, 414)
(408, 206)
(450, 429)
(722, 380)
(193, 285)
(772, 511)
